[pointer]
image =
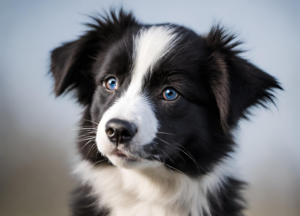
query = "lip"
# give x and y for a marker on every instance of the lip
(122, 155)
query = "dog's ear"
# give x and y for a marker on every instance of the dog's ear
(71, 67)
(235, 83)
(71, 64)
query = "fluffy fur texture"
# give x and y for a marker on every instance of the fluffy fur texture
(176, 157)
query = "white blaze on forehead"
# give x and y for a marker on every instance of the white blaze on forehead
(150, 46)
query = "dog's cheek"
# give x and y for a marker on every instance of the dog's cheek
(99, 105)
(103, 144)
(99, 113)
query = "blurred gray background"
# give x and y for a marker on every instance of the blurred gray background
(37, 131)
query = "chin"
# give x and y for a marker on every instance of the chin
(130, 163)
(160, 104)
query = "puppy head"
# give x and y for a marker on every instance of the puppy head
(160, 94)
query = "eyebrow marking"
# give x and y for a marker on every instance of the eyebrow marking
(150, 47)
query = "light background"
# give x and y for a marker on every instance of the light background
(37, 131)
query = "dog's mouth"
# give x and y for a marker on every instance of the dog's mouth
(120, 154)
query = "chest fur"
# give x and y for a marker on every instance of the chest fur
(159, 192)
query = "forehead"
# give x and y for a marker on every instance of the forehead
(150, 49)
(151, 45)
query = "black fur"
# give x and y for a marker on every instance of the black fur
(216, 89)
(84, 204)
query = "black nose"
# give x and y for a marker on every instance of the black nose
(120, 131)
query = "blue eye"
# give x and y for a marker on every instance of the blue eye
(170, 94)
(111, 83)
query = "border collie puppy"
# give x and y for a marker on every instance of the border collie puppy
(160, 103)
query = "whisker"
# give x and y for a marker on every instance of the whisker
(68, 140)
(97, 152)
(83, 128)
(89, 134)
(86, 139)
(100, 161)
(174, 168)
(86, 144)
(91, 121)
(166, 154)
(189, 155)
(166, 133)
(92, 147)
(178, 154)
(75, 139)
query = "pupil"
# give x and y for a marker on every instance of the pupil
(170, 94)
(112, 82)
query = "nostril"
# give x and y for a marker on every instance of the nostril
(126, 136)
(110, 132)
(120, 131)
(126, 133)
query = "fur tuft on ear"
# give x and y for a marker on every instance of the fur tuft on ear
(71, 64)
(235, 83)
(219, 39)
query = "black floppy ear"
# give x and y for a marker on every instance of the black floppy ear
(71, 67)
(235, 83)
(71, 64)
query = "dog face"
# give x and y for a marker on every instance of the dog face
(145, 96)
(159, 94)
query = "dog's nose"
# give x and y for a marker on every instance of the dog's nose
(120, 131)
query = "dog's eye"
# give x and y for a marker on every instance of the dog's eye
(111, 83)
(170, 94)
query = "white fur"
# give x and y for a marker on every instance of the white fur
(154, 191)
(150, 46)
(137, 111)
